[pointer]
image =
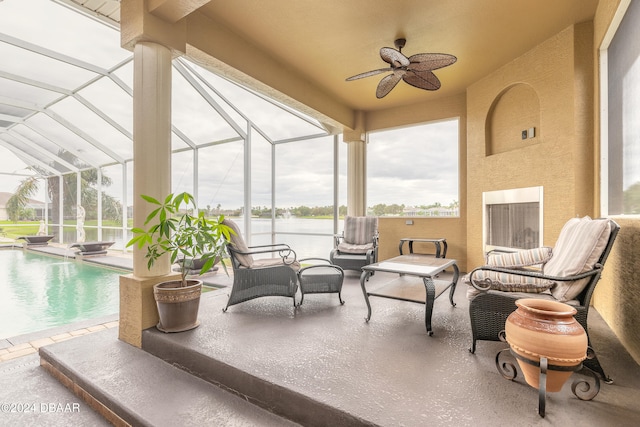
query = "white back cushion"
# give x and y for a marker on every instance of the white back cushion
(238, 244)
(360, 230)
(579, 246)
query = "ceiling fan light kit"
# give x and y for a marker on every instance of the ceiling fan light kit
(416, 70)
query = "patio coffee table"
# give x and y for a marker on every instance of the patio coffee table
(417, 282)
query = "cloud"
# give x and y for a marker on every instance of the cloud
(416, 165)
(412, 166)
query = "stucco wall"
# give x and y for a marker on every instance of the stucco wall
(393, 229)
(560, 160)
(617, 297)
(565, 161)
(515, 110)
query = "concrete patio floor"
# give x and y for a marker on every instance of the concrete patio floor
(322, 363)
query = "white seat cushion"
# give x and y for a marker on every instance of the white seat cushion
(271, 262)
(347, 248)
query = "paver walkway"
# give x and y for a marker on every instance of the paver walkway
(32, 347)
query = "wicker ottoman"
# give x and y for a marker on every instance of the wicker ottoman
(322, 278)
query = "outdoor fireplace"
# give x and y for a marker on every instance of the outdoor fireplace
(512, 219)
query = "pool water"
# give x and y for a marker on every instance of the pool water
(38, 292)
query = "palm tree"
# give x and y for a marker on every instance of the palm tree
(16, 203)
(88, 198)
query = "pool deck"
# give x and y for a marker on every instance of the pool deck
(320, 364)
(323, 365)
(111, 259)
(123, 261)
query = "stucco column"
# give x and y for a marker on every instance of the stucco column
(356, 178)
(356, 168)
(151, 141)
(152, 177)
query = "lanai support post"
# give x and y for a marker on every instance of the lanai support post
(151, 176)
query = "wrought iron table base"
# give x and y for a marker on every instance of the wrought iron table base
(419, 280)
(431, 296)
(581, 388)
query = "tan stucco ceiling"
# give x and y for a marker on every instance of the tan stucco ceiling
(330, 40)
(317, 44)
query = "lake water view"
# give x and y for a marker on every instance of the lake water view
(305, 246)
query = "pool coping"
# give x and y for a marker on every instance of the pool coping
(25, 344)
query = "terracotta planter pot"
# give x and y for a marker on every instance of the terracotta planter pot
(178, 306)
(541, 328)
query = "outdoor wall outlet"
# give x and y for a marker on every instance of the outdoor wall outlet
(524, 134)
(532, 132)
(409, 222)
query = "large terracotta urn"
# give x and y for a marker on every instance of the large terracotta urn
(542, 328)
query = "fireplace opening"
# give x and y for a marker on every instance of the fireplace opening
(512, 219)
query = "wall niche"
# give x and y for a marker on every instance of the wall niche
(515, 109)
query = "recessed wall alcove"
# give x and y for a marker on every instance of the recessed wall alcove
(515, 109)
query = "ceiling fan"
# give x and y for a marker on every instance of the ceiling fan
(416, 70)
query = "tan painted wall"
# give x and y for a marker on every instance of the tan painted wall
(564, 72)
(557, 161)
(393, 229)
(453, 229)
(617, 296)
(515, 110)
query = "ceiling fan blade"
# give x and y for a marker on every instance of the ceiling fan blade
(393, 57)
(389, 82)
(369, 73)
(422, 80)
(430, 61)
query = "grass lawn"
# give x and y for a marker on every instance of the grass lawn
(13, 230)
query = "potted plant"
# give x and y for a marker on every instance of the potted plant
(175, 229)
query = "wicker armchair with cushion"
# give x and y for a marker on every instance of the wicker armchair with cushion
(255, 278)
(568, 273)
(357, 246)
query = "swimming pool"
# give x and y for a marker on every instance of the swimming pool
(38, 292)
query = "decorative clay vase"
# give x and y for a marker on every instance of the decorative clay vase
(542, 328)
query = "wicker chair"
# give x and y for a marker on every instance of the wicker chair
(255, 278)
(357, 246)
(489, 309)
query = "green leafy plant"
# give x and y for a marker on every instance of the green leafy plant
(175, 230)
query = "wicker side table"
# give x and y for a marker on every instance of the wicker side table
(323, 278)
